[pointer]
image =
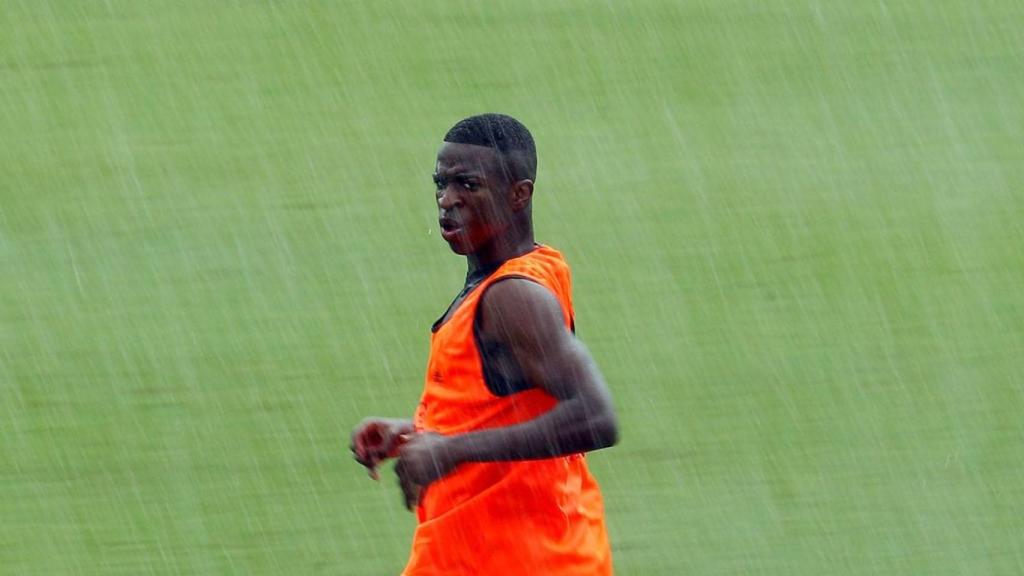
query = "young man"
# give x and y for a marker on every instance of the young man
(493, 460)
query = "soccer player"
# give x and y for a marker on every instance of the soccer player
(493, 460)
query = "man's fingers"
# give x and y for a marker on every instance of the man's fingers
(397, 443)
(410, 491)
(373, 441)
(370, 461)
(358, 445)
(366, 445)
(363, 459)
(414, 496)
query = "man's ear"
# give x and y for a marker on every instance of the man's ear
(522, 193)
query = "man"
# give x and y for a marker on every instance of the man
(493, 460)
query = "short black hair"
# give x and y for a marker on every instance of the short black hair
(506, 135)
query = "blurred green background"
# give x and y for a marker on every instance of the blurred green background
(795, 227)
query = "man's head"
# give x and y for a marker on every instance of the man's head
(484, 179)
(510, 140)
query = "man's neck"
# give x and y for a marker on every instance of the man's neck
(501, 250)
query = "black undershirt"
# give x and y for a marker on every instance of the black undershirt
(473, 279)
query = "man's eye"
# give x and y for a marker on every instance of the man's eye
(471, 186)
(439, 183)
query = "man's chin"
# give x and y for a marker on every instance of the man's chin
(459, 247)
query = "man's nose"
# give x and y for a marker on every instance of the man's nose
(446, 198)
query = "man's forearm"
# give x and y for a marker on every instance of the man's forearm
(570, 427)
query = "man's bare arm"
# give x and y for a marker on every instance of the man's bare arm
(526, 318)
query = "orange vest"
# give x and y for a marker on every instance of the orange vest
(495, 518)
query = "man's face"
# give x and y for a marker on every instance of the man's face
(472, 196)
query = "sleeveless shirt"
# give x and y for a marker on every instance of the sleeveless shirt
(520, 517)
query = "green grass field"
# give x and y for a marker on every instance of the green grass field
(795, 226)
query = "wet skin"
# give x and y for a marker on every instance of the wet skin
(483, 215)
(486, 217)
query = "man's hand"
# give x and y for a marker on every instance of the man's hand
(423, 459)
(376, 439)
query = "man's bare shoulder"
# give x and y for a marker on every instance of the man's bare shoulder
(518, 307)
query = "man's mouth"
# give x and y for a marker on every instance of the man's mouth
(449, 228)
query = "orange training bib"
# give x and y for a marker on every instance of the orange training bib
(495, 518)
